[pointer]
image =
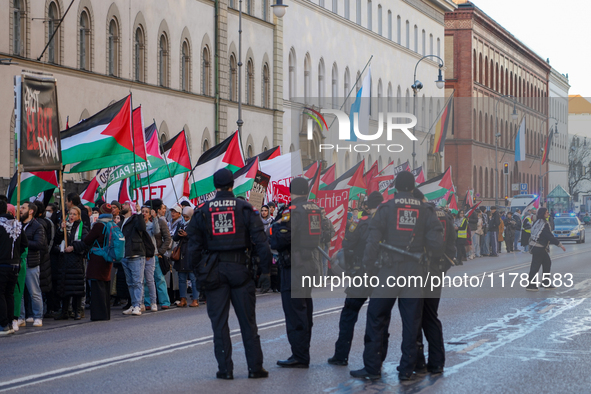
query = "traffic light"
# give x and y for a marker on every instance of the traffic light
(474, 200)
(506, 168)
(506, 201)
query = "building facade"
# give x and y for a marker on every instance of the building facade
(558, 111)
(484, 63)
(180, 63)
(579, 157)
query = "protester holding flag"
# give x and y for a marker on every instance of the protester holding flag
(184, 266)
(70, 282)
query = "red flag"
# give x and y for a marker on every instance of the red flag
(310, 171)
(471, 211)
(446, 182)
(329, 175)
(315, 185)
(372, 172)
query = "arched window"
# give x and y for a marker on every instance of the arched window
(54, 48)
(369, 15)
(380, 97)
(113, 45)
(205, 67)
(205, 146)
(85, 50)
(233, 83)
(249, 152)
(19, 27)
(438, 47)
(185, 66)
(321, 82)
(163, 61)
(232, 4)
(335, 6)
(139, 54)
(266, 87)
(346, 85)
(486, 71)
(265, 6)
(399, 30)
(380, 19)
(424, 42)
(416, 38)
(249, 82)
(475, 69)
(408, 34)
(292, 73)
(358, 13)
(335, 86)
(480, 68)
(307, 77)
(347, 9)
(249, 7)
(389, 25)
(390, 99)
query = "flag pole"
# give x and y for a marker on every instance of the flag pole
(61, 181)
(166, 161)
(133, 146)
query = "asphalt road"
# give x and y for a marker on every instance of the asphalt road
(498, 340)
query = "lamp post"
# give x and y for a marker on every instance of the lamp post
(416, 87)
(497, 135)
(278, 10)
(540, 188)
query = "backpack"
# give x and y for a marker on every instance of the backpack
(113, 249)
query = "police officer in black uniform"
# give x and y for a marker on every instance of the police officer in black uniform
(354, 247)
(296, 237)
(406, 223)
(220, 233)
(431, 326)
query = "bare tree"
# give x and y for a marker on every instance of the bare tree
(579, 166)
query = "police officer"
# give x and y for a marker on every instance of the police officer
(409, 224)
(354, 246)
(220, 233)
(296, 237)
(430, 324)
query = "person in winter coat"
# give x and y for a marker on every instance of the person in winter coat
(509, 232)
(526, 230)
(70, 282)
(500, 232)
(163, 243)
(45, 282)
(183, 266)
(153, 230)
(98, 271)
(541, 238)
(37, 246)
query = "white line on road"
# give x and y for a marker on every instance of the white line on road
(546, 309)
(473, 346)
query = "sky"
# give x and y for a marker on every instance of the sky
(555, 29)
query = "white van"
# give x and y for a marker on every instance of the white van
(521, 201)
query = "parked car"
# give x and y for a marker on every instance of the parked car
(568, 227)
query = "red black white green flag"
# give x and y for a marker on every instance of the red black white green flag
(32, 183)
(443, 126)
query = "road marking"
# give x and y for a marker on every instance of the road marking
(546, 309)
(60, 373)
(473, 346)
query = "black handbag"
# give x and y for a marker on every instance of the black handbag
(164, 262)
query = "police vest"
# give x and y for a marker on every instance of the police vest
(463, 233)
(406, 216)
(528, 230)
(226, 229)
(307, 218)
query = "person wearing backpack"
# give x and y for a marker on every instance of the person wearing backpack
(98, 271)
(541, 238)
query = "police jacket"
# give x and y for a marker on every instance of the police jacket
(37, 242)
(133, 229)
(398, 222)
(226, 224)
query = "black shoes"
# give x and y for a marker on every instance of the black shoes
(225, 375)
(435, 370)
(263, 373)
(292, 363)
(405, 376)
(337, 361)
(363, 374)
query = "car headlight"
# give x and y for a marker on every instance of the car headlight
(574, 233)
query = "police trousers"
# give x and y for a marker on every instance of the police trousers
(298, 317)
(431, 327)
(236, 287)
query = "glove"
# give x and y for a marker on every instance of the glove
(265, 282)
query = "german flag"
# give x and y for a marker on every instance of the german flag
(442, 126)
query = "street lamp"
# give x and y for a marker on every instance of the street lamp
(514, 116)
(416, 87)
(279, 10)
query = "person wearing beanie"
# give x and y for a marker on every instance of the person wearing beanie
(219, 233)
(405, 223)
(354, 247)
(297, 237)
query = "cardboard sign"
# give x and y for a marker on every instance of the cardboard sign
(259, 190)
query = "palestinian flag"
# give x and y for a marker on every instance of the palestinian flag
(471, 211)
(227, 154)
(352, 180)
(469, 200)
(437, 187)
(176, 158)
(443, 125)
(534, 204)
(419, 175)
(315, 185)
(372, 172)
(267, 155)
(244, 178)
(89, 195)
(453, 205)
(547, 146)
(103, 140)
(310, 170)
(32, 183)
(328, 176)
(379, 183)
(124, 195)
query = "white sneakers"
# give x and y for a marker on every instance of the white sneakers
(30, 320)
(134, 310)
(154, 307)
(142, 308)
(38, 323)
(22, 323)
(15, 325)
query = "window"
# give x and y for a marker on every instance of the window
(205, 78)
(380, 97)
(347, 84)
(380, 20)
(232, 5)
(408, 34)
(54, 49)
(163, 61)
(205, 146)
(113, 48)
(84, 40)
(335, 86)
(265, 6)
(358, 11)
(416, 38)
(266, 87)
(321, 91)
(424, 39)
(249, 7)
(335, 6)
(139, 55)
(292, 73)
(431, 45)
(232, 91)
(347, 9)
(249, 82)
(185, 66)
(389, 25)
(390, 99)
(307, 76)
(369, 15)
(321, 3)
(19, 28)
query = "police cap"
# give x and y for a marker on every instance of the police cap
(299, 186)
(405, 181)
(374, 199)
(223, 178)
